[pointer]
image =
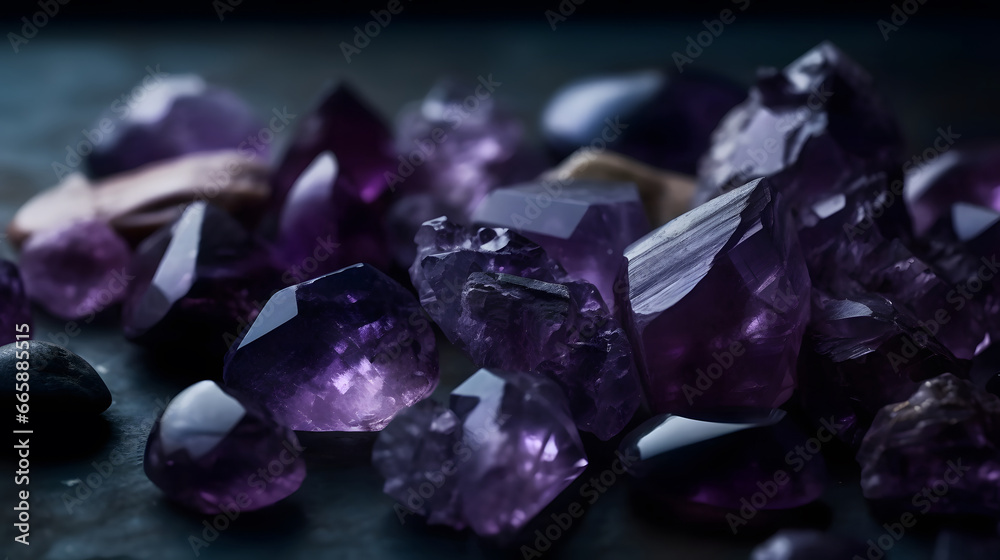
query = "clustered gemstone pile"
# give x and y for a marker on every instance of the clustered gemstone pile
(795, 280)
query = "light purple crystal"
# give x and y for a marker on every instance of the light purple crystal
(585, 225)
(215, 453)
(563, 331)
(505, 449)
(717, 303)
(945, 440)
(169, 116)
(14, 306)
(344, 352)
(969, 175)
(77, 270)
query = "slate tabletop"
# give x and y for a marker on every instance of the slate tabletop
(89, 496)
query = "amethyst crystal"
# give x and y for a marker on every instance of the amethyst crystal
(343, 352)
(716, 304)
(585, 225)
(448, 253)
(215, 453)
(661, 119)
(505, 449)
(728, 459)
(76, 271)
(344, 125)
(938, 451)
(197, 283)
(15, 310)
(807, 544)
(563, 331)
(959, 175)
(462, 144)
(863, 353)
(170, 116)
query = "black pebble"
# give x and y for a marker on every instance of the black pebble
(62, 385)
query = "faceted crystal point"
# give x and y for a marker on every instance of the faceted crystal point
(505, 449)
(861, 354)
(197, 283)
(77, 270)
(946, 438)
(462, 154)
(717, 303)
(808, 544)
(814, 128)
(209, 449)
(724, 458)
(15, 310)
(563, 331)
(969, 175)
(176, 115)
(585, 225)
(346, 126)
(344, 352)
(661, 119)
(448, 253)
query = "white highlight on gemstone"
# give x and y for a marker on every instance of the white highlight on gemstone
(159, 98)
(198, 419)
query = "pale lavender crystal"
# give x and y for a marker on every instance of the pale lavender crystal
(969, 175)
(15, 309)
(215, 453)
(716, 304)
(448, 253)
(344, 352)
(585, 225)
(938, 451)
(169, 116)
(563, 331)
(505, 449)
(77, 270)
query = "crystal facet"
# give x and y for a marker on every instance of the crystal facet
(15, 309)
(215, 453)
(969, 175)
(344, 352)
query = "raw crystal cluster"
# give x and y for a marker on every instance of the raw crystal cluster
(937, 451)
(215, 453)
(343, 352)
(502, 450)
(15, 310)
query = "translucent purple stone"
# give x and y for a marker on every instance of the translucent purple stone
(938, 451)
(215, 453)
(728, 459)
(14, 306)
(344, 352)
(197, 283)
(448, 253)
(502, 451)
(716, 304)
(969, 175)
(77, 270)
(563, 331)
(662, 119)
(585, 225)
(808, 544)
(171, 116)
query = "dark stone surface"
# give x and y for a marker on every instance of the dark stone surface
(62, 384)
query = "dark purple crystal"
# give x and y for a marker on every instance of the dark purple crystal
(960, 175)
(215, 453)
(15, 310)
(343, 352)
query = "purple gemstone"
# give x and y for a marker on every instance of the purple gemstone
(716, 304)
(946, 438)
(448, 253)
(346, 126)
(808, 544)
(76, 271)
(959, 175)
(724, 459)
(505, 449)
(563, 331)
(861, 354)
(462, 145)
(585, 225)
(324, 227)
(661, 119)
(197, 283)
(344, 352)
(173, 116)
(214, 453)
(15, 309)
